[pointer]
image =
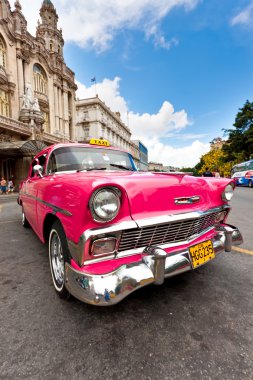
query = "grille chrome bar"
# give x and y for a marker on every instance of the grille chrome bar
(166, 233)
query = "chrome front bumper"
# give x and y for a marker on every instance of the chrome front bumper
(156, 265)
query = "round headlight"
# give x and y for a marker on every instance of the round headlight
(228, 193)
(105, 204)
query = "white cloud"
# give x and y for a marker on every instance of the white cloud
(93, 24)
(159, 124)
(159, 39)
(186, 136)
(245, 17)
(165, 123)
(187, 156)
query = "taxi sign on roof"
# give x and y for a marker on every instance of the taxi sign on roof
(99, 142)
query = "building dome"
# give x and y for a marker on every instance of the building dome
(47, 3)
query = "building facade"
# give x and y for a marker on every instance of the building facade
(95, 120)
(37, 89)
(217, 143)
(155, 166)
(143, 156)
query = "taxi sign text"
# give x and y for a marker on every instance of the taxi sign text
(99, 142)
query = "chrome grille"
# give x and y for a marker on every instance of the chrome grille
(166, 233)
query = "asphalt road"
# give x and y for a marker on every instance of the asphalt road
(198, 325)
(242, 214)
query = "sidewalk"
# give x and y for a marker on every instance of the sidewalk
(7, 196)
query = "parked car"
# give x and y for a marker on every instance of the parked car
(111, 229)
(243, 173)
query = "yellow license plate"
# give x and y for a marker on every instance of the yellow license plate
(201, 253)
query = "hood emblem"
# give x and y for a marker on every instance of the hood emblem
(187, 200)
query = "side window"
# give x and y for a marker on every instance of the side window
(42, 162)
(51, 167)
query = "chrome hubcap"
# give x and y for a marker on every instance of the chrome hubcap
(57, 260)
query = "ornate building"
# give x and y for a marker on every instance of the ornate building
(96, 120)
(37, 89)
(217, 143)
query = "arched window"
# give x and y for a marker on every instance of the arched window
(51, 45)
(4, 103)
(2, 53)
(39, 79)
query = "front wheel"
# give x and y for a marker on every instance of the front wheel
(250, 183)
(58, 256)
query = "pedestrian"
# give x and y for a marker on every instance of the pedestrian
(207, 173)
(10, 186)
(3, 186)
(217, 174)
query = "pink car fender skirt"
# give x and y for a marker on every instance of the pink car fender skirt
(154, 266)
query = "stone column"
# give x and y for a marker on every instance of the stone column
(65, 114)
(27, 77)
(71, 118)
(60, 109)
(20, 80)
(56, 107)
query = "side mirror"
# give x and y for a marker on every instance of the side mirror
(38, 169)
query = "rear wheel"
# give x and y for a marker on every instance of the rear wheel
(58, 256)
(25, 222)
(250, 183)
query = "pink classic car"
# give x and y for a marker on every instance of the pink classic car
(112, 230)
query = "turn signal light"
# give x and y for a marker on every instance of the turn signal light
(103, 246)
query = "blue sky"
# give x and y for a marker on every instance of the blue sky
(177, 70)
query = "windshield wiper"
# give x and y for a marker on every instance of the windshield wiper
(120, 166)
(90, 169)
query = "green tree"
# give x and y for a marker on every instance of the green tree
(190, 170)
(215, 160)
(239, 146)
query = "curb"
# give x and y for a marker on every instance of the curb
(6, 196)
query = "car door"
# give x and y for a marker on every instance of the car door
(32, 185)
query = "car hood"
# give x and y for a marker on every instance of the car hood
(153, 194)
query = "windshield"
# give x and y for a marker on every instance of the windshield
(87, 158)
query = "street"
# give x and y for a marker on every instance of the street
(198, 325)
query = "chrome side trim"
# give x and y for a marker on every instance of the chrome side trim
(187, 200)
(52, 206)
(179, 217)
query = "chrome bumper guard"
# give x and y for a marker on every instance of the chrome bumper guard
(156, 265)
